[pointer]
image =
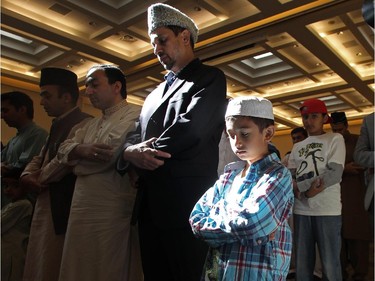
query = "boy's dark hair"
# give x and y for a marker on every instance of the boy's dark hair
(114, 74)
(178, 29)
(262, 123)
(299, 130)
(19, 99)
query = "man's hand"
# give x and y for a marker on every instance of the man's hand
(143, 156)
(316, 187)
(92, 151)
(31, 182)
(296, 191)
(352, 168)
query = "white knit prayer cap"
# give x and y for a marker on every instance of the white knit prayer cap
(161, 15)
(250, 106)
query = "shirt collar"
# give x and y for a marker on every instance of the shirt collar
(65, 114)
(116, 107)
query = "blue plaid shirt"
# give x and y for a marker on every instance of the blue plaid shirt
(249, 236)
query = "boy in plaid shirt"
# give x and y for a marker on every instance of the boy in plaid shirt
(244, 216)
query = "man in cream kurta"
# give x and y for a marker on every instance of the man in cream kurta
(99, 243)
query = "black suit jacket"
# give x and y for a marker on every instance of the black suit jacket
(188, 120)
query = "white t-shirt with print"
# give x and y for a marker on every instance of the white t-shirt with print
(312, 158)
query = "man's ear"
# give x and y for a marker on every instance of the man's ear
(22, 109)
(186, 36)
(66, 98)
(269, 132)
(118, 86)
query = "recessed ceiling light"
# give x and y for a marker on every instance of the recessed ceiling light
(264, 55)
(15, 37)
(358, 54)
(127, 38)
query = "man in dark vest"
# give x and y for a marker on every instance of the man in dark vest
(59, 94)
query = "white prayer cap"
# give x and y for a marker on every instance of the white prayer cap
(161, 15)
(250, 106)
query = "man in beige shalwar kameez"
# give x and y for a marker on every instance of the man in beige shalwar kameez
(100, 244)
(59, 94)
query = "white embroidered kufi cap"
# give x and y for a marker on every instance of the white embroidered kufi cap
(250, 106)
(160, 15)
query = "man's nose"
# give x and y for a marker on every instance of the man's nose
(157, 50)
(88, 91)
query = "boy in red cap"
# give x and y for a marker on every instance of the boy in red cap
(317, 164)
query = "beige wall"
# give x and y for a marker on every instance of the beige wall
(282, 140)
(40, 116)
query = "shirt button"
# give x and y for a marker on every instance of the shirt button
(259, 242)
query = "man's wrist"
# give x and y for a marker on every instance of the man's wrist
(304, 195)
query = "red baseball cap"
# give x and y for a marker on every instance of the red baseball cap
(314, 106)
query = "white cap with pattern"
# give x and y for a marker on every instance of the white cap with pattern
(250, 106)
(160, 15)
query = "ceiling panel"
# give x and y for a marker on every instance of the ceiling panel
(284, 50)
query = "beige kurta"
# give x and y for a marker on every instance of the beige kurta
(99, 242)
(45, 247)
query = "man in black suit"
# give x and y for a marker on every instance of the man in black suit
(175, 148)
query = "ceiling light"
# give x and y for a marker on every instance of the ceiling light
(92, 23)
(317, 64)
(340, 33)
(127, 38)
(261, 56)
(69, 66)
(295, 46)
(358, 54)
(197, 9)
(15, 37)
(82, 60)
